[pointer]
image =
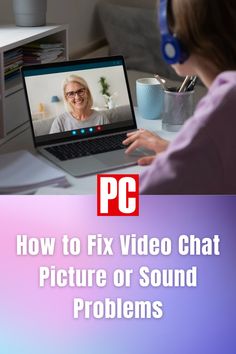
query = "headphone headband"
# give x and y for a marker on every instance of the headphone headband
(171, 47)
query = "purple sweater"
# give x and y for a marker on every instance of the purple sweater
(202, 158)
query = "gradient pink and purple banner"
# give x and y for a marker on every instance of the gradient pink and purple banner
(40, 320)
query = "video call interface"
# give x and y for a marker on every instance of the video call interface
(77, 101)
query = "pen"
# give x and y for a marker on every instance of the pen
(185, 84)
(192, 84)
(161, 82)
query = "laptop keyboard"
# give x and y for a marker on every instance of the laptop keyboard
(87, 147)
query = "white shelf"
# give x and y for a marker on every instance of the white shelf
(12, 36)
(13, 111)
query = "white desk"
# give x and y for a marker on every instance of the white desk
(83, 185)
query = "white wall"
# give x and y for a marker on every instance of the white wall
(79, 14)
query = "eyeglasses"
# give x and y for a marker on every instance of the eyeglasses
(72, 94)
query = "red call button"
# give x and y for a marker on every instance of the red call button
(117, 195)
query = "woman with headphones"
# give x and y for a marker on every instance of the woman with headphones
(198, 39)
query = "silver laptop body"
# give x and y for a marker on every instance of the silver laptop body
(45, 100)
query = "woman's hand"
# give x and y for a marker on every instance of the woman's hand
(145, 139)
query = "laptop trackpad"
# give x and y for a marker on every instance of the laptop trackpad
(102, 162)
(116, 158)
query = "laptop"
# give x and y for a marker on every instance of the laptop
(83, 144)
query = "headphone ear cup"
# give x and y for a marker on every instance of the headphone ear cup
(172, 50)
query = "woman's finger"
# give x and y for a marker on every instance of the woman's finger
(135, 132)
(146, 160)
(135, 135)
(145, 139)
(132, 147)
(130, 140)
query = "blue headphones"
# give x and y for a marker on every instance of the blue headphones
(171, 47)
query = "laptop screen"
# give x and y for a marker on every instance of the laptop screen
(78, 99)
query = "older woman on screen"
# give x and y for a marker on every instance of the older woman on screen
(79, 102)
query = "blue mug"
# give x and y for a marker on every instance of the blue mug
(150, 97)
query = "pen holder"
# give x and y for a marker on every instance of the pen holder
(178, 107)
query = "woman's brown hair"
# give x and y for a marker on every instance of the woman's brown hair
(206, 28)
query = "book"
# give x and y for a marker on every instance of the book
(38, 52)
(22, 171)
(33, 53)
(40, 45)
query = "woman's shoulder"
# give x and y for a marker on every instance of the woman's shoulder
(214, 116)
(223, 89)
(63, 116)
(221, 97)
(226, 79)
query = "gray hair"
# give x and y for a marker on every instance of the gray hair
(79, 80)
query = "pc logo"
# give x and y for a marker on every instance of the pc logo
(117, 195)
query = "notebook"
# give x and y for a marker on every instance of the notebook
(21, 171)
(80, 112)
